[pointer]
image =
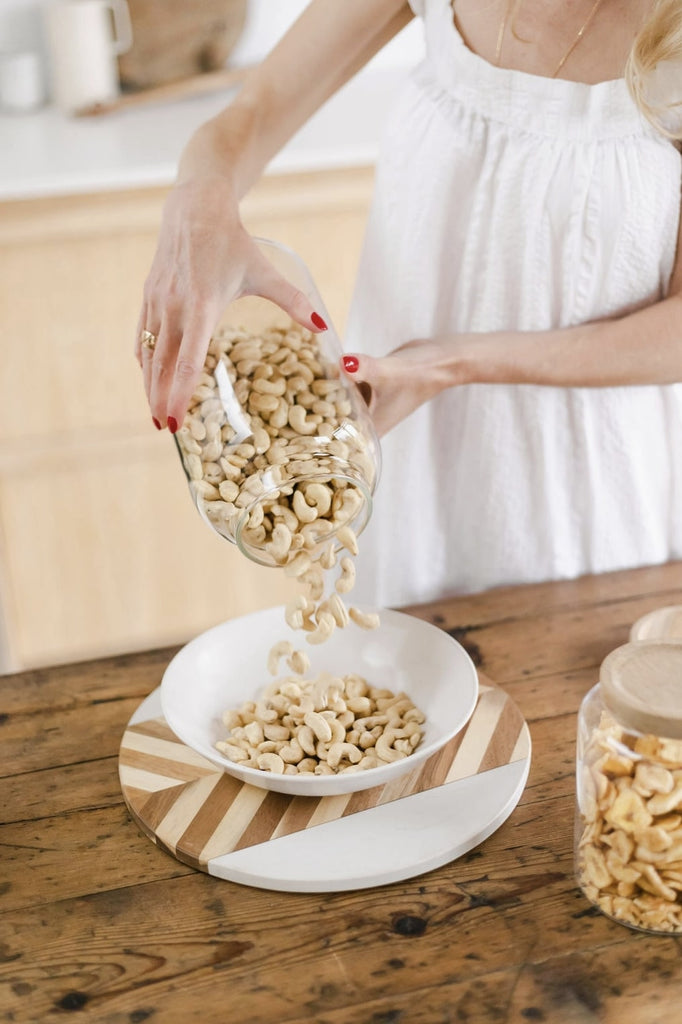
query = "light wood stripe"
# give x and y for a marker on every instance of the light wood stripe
(162, 748)
(140, 778)
(503, 740)
(478, 734)
(522, 747)
(329, 808)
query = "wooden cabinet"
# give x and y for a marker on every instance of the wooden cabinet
(101, 548)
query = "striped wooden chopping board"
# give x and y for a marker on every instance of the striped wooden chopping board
(197, 813)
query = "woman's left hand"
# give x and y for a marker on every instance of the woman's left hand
(397, 384)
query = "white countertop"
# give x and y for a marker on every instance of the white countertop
(47, 153)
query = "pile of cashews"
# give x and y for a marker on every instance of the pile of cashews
(270, 444)
(326, 726)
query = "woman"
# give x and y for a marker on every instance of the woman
(522, 257)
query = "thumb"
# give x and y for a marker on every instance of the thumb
(269, 284)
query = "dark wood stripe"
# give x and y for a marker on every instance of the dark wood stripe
(363, 799)
(438, 765)
(503, 740)
(209, 815)
(163, 765)
(266, 820)
(157, 727)
(157, 805)
(298, 814)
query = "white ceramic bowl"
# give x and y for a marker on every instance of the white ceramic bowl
(226, 666)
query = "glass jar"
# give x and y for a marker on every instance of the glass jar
(278, 447)
(628, 841)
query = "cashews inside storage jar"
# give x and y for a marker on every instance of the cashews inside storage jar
(278, 447)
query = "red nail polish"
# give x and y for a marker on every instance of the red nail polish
(172, 424)
(318, 321)
(156, 423)
(351, 364)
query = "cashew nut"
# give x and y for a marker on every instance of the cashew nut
(346, 580)
(283, 649)
(366, 620)
(337, 751)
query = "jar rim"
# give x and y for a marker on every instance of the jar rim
(641, 683)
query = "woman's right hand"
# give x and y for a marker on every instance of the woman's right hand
(204, 259)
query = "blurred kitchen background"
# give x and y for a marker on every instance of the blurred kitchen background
(101, 548)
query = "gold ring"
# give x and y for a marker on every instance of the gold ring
(148, 340)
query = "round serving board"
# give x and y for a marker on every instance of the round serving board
(214, 822)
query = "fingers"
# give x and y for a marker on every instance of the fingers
(188, 366)
(183, 315)
(264, 280)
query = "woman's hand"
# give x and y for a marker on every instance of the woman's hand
(397, 384)
(204, 259)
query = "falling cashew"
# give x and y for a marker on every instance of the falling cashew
(299, 662)
(346, 580)
(283, 649)
(366, 620)
(325, 627)
(347, 537)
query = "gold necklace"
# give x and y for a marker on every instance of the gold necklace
(503, 28)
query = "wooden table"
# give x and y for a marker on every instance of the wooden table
(98, 924)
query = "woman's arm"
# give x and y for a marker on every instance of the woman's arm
(644, 347)
(204, 256)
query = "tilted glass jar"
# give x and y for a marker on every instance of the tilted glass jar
(628, 838)
(278, 447)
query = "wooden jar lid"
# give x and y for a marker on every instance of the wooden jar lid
(642, 685)
(660, 624)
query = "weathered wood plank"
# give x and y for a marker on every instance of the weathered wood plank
(308, 958)
(76, 854)
(70, 686)
(52, 791)
(656, 585)
(35, 741)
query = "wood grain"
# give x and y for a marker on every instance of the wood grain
(94, 925)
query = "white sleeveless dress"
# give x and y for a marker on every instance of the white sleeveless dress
(509, 201)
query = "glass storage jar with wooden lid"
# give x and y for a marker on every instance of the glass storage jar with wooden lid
(278, 446)
(628, 853)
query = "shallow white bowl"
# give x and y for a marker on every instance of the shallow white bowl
(226, 666)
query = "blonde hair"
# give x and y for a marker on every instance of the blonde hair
(658, 41)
